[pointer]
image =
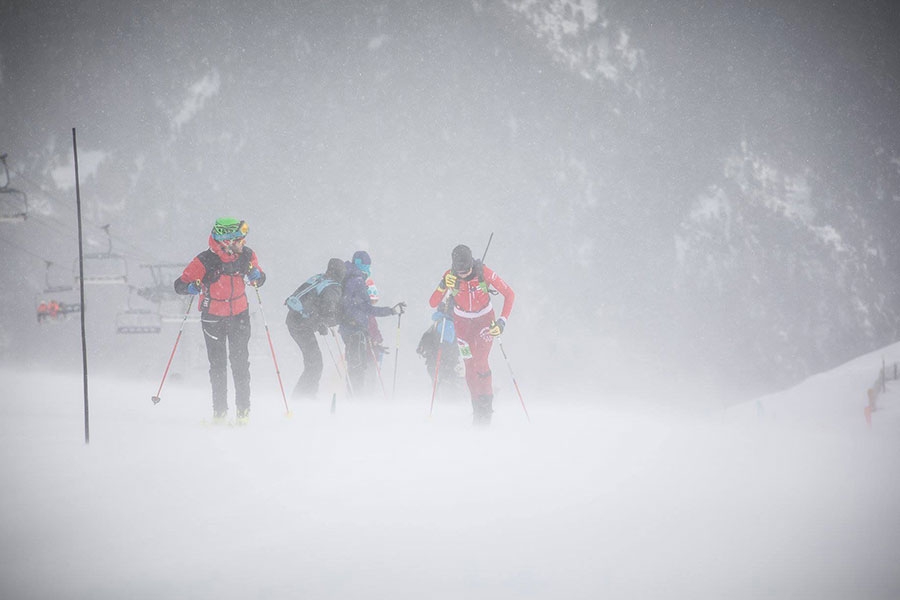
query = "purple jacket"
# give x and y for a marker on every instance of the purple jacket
(355, 304)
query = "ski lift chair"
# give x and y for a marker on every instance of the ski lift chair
(13, 202)
(13, 205)
(171, 306)
(52, 309)
(172, 310)
(137, 320)
(56, 302)
(104, 267)
(163, 277)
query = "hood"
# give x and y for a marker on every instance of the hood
(336, 270)
(353, 272)
(220, 251)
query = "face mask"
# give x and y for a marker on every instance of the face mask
(233, 246)
(367, 269)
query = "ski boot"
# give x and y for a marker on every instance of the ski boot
(482, 409)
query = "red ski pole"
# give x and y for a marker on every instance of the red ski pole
(156, 398)
(513, 375)
(287, 409)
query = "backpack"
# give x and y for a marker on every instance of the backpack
(215, 268)
(316, 283)
(478, 268)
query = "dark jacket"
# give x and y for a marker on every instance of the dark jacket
(355, 304)
(322, 310)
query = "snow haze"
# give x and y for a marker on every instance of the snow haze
(786, 497)
(705, 191)
(696, 204)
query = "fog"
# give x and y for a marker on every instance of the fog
(697, 208)
(789, 496)
(704, 195)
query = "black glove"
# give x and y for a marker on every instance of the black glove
(399, 308)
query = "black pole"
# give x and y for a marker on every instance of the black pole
(87, 422)
(486, 247)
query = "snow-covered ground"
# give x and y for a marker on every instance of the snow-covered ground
(791, 496)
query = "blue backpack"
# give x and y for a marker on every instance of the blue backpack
(316, 283)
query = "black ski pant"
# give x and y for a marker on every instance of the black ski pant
(305, 336)
(356, 345)
(228, 338)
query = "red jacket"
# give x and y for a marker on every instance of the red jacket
(471, 296)
(222, 276)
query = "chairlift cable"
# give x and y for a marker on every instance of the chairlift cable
(138, 252)
(25, 250)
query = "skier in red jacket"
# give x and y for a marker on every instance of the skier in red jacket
(217, 275)
(468, 282)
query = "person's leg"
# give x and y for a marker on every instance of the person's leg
(216, 352)
(481, 352)
(355, 347)
(297, 336)
(478, 368)
(308, 385)
(239, 356)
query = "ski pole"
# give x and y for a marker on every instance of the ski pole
(486, 247)
(156, 398)
(343, 360)
(437, 368)
(513, 375)
(377, 367)
(396, 357)
(334, 361)
(287, 409)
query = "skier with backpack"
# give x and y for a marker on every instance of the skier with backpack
(356, 308)
(440, 338)
(314, 307)
(218, 276)
(467, 285)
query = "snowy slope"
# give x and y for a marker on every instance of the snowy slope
(377, 501)
(835, 398)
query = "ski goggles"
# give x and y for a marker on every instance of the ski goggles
(230, 232)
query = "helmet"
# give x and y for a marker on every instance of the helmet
(227, 228)
(462, 259)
